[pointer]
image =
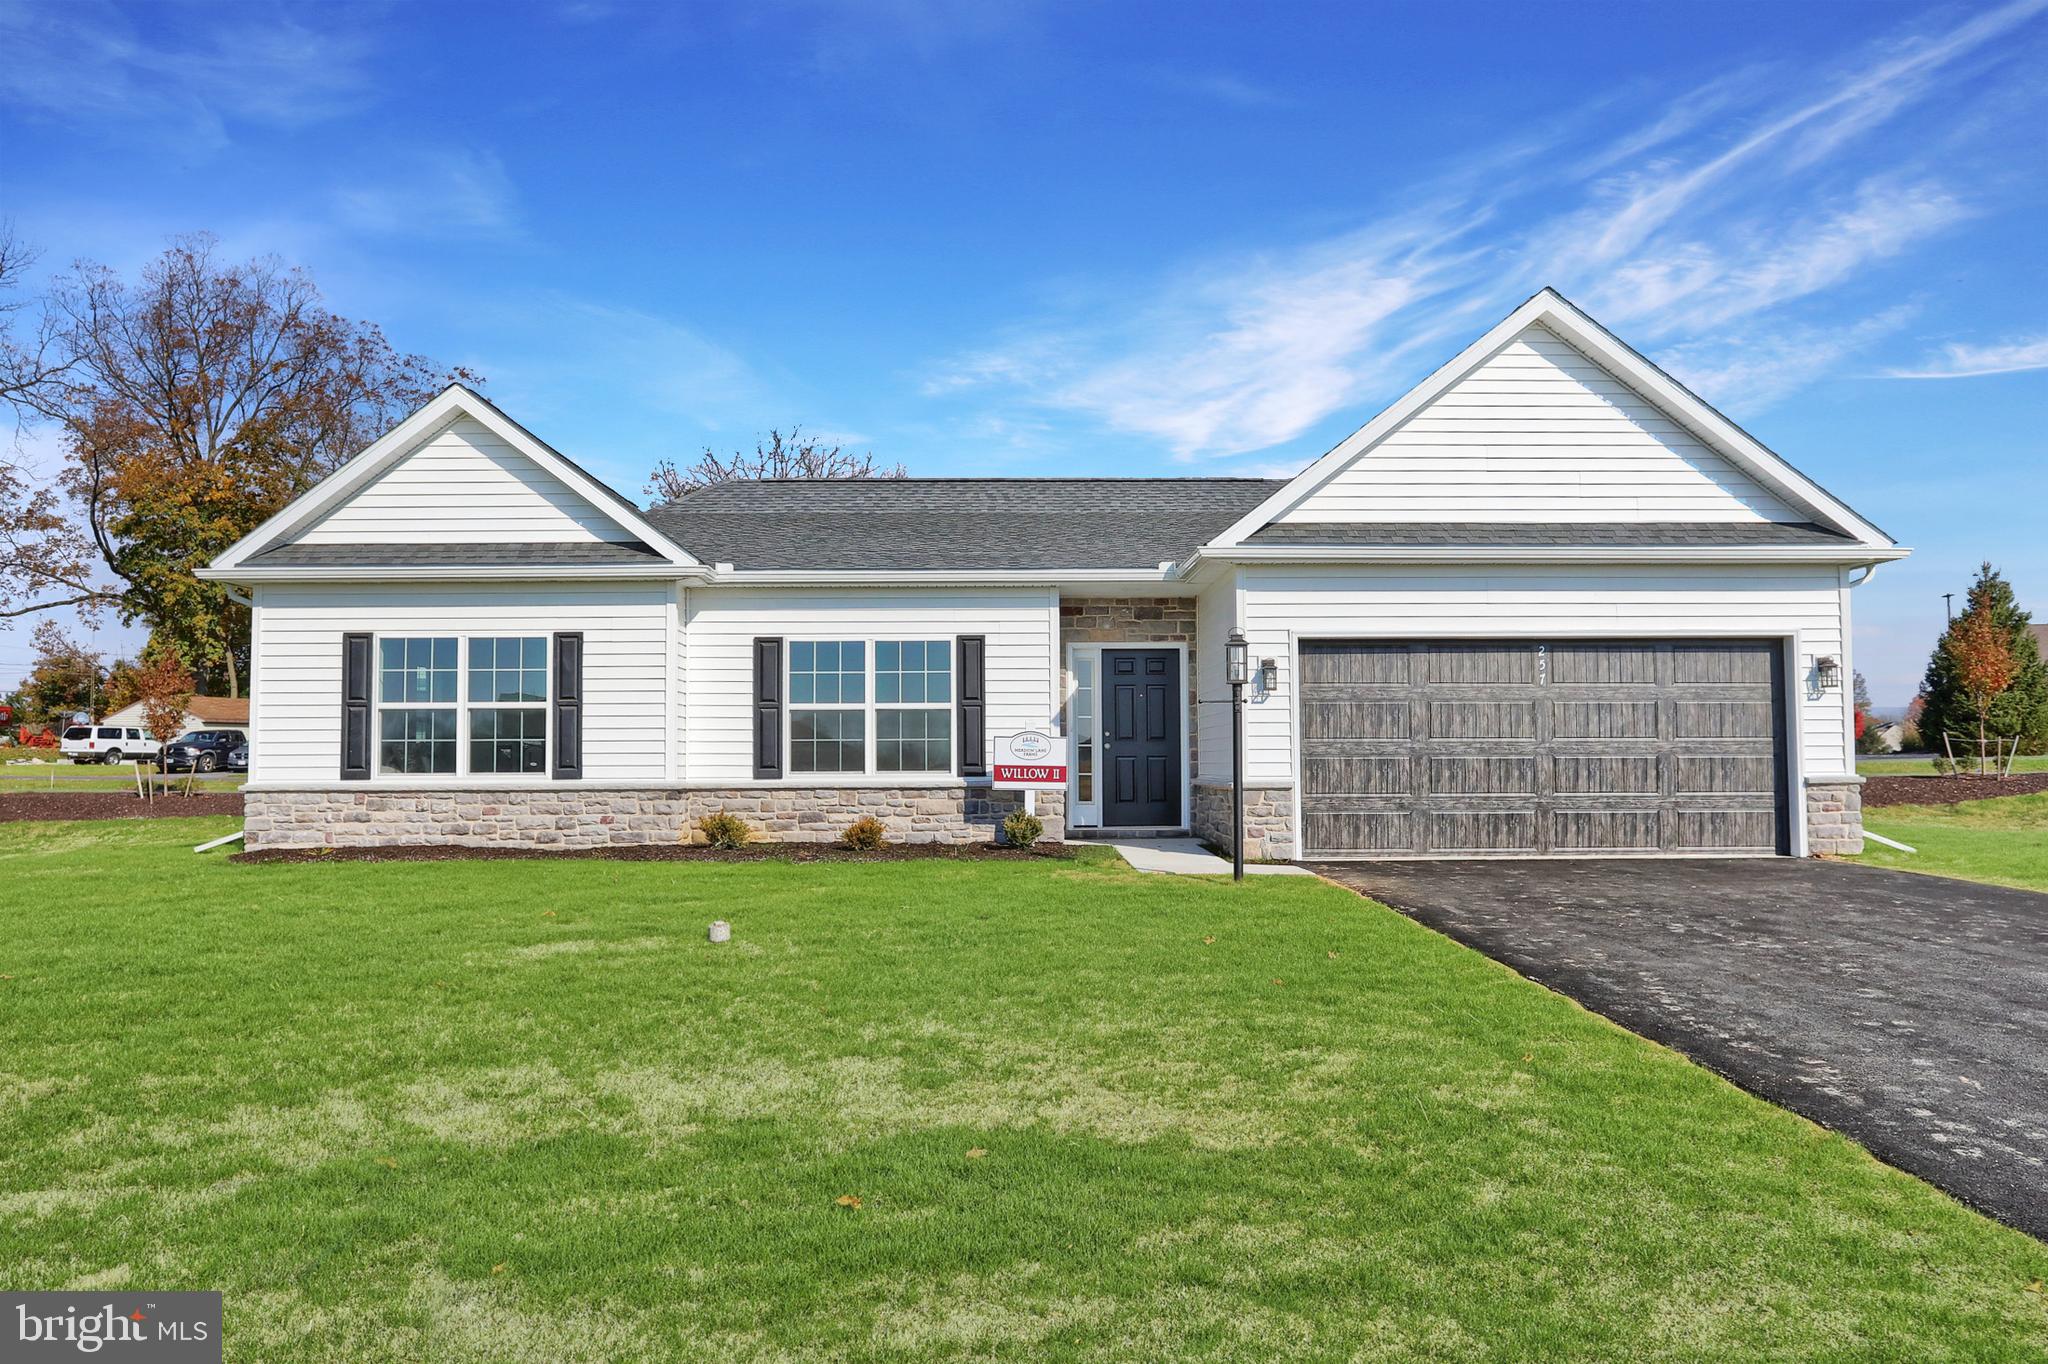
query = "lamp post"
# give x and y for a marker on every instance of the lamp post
(1237, 666)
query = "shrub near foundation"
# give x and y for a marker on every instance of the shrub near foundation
(725, 830)
(1021, 830)
(865, 834)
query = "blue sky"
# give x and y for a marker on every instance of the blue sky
(1033, 238)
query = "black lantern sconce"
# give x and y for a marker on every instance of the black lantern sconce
(1269, 676)
(1827, 672)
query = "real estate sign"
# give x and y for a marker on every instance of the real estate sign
(1030, 759)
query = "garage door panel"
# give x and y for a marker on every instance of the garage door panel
(1344, 719)
(1723, 664)
(1604, 665)
(1604, 719)
(1693, 719)
(1724, 830)
(1478, 775)
(1483, 831)
(1355, 774)
(1526, 748)
(1482, 719)
(1360, 831)
(1482, 664)
(1597, 774)
(1744, 773)
(1592, 831)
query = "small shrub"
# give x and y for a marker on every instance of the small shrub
(1021, 830)
(866, 834)
(1944, 766)
(725, 830)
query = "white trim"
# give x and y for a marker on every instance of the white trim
(450, 404)
(1070, 687)
(1551, 309)
(387, 573)
(1794, 696)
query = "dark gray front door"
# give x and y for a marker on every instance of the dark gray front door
(1141, 737)
(1511, 748)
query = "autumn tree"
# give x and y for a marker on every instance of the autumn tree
(795, 455)
(164, 686)
(193, 404)
(1981, 654)
(2020, 711)
(64, 678)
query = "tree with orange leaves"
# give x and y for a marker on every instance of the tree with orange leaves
(193, 405)
(1981, 654)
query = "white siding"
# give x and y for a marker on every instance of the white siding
(297, 707)
(720, 625)
(1539, 432)
(1215, 615)
(463, 484)
(1283, 605)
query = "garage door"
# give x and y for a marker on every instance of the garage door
(1509, 748)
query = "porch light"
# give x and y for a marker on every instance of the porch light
(1828, 672)
(1237, 659)
(1269, 676)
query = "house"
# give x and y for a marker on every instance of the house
(201, 712)
(1548, 603)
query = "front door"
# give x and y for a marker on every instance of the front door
(1141, 737)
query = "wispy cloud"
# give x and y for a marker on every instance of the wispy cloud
(1222, 87)
(85, 63)
(435, 192)
(1961, 360)
(1734, 226)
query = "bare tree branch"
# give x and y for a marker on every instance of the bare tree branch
(780, 456)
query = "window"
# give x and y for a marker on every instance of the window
(828, 705)
(838, 709)
(509, 677)
(912, 735)
(110, 732)
(416, 692)
(1082, 726)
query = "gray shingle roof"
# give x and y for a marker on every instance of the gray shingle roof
(569, 555)
(942, 524)
(1638, 535)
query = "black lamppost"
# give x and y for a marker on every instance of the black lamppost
(1237, 666)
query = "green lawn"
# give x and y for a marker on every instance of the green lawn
(523, 1111)
(2003, 841)
(18, 778)
(1924, 767)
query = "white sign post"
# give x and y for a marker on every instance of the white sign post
(1029, 760)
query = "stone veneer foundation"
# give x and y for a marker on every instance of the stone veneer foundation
(1834, 815)
(569, 817)
(1268, 819)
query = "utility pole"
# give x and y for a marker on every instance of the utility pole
(1948, 599)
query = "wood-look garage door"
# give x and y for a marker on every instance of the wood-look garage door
(1511, 748)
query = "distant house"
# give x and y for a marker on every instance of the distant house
(201, 712)
(2040, 631)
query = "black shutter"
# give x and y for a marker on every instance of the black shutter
(972, 651)
(568, 765)
(355, 707)
(767, 708)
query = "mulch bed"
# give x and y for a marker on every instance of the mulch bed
(1880, 791)
(667, 852)
(115, 805)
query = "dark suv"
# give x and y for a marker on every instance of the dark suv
(203, 750)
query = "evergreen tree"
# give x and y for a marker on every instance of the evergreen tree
(2021, 710)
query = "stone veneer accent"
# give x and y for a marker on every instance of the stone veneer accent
(1834, 815)
(569, 817)
(1268, 819)
(1135, 621)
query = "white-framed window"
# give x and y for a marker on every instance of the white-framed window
(508, 704)
(1081, 725)
(417, 700)
(434, 721)
(871, 705)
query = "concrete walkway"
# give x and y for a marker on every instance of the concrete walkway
(1187, 857)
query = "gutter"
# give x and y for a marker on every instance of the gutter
(1865, 555)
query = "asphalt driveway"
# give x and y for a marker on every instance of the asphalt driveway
(1909, 1012)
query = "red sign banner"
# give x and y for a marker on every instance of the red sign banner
(1034, 774)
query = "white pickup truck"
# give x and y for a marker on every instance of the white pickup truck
(106, 743)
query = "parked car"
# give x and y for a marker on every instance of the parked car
(238, 757)
(203, 750)
(106, 743)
